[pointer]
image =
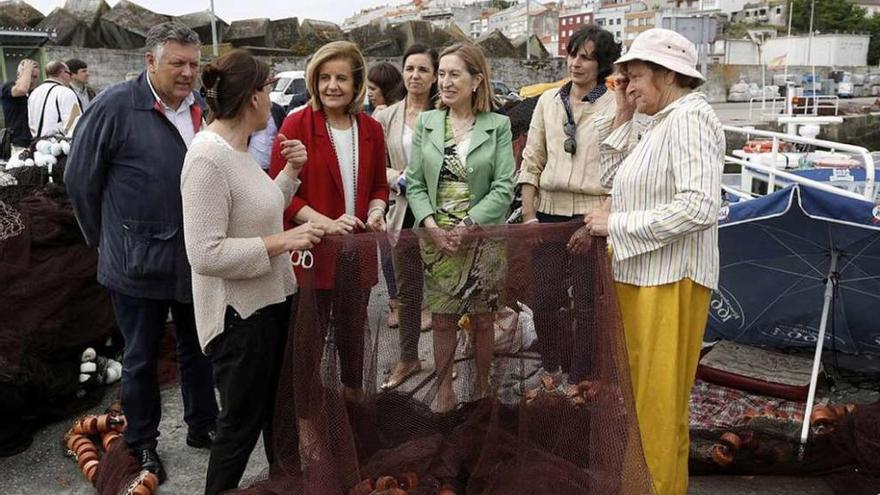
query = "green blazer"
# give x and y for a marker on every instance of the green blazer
(489, 161)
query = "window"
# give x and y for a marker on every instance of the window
(570, 32)
(580, 19)
(618, 21)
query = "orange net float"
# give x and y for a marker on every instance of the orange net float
(150, 481)
(386, 483)
(89, 470)
(83, 459)
(108, 439)
(447, 490)
(86, 426)
(722, 455)
(731, 440)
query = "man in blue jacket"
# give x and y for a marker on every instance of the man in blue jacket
(123, 179)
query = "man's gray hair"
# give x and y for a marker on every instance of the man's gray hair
(170, 31)
(55, 68)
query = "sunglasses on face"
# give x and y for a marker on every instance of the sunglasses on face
(570, 145)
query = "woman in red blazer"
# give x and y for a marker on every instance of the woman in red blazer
(343, 190)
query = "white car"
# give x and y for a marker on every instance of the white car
(291, 86)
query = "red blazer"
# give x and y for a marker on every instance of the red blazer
(321, 188)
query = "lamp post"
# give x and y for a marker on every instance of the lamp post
(216, 48)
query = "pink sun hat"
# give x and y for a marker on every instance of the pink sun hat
(665, 48)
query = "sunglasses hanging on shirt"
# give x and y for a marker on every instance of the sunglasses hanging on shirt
(569, 127)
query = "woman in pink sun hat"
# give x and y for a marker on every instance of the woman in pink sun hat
(662, 226)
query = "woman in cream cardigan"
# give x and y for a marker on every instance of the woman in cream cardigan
(460, 177)
(560, 183)
(239, 251)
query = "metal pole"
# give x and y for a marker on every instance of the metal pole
(214, 30)
(817, 359)
(810, 59)
(528, 30)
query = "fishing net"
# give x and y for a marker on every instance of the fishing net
(52, 309)
(736, 432)
(507, 424)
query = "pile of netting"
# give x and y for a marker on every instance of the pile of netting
(737, 432)
(530, 430)
(52, 308)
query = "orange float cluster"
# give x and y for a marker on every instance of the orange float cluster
(81, 441)
(822, 421)
(390, 485)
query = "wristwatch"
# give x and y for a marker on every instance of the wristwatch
(468, 221)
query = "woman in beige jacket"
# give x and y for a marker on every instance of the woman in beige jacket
(560, 183)
(399, 121)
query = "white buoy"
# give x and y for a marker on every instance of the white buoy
(83, 377)
(65, 147)
(89, 355)
(56, 149)
(29, 162)
(88, 367)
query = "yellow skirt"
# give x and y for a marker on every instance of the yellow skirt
(664, 328)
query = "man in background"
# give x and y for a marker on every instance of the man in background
(14, 99)
(123, 179)
(79, 82)
(53, 106)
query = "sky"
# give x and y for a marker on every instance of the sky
(231, 10)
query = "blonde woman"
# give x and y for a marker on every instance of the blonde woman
(343, 190)
(465, 183)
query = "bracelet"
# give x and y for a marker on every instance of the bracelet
(380, 209)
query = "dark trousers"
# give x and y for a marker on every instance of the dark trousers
(247, 360)
(555, 270)
(341, 312)
(410, 272)
(388, 267)
(142, 323)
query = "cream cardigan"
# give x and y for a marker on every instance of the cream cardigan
(229, 205)
(567, 184)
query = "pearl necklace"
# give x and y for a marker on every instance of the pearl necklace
(354, 164)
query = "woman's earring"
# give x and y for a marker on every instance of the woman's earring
(474, 90)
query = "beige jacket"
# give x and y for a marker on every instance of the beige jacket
(392, 120)
(567, 184)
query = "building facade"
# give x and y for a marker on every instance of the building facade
(571, 22)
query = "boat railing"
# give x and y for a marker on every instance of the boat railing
(758, 165)
(774, 106)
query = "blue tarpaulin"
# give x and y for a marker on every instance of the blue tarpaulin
(778, 252)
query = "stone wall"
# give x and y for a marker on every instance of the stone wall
(110, 66)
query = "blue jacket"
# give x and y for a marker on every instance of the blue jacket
(123, 179)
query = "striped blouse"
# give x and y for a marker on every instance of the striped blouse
(666, 194)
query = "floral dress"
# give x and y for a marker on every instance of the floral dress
(472, 280)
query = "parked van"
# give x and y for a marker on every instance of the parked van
(291, 87)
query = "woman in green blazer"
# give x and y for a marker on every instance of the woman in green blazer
(461, 176)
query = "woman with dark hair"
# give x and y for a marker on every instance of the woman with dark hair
(242, 278)
(560, 183)
(663, 226)
(453, 188)
(420, 79)
(384, 86)
(344, 191)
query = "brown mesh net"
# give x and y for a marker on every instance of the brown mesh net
(51, 308)
(526, 333)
